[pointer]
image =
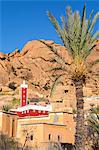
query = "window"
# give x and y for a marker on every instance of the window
(65, 91)
(12, 127)
(49, 137)
(31, 137)
(59, 101)
(58, 138)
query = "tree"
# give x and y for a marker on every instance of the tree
(77, 36)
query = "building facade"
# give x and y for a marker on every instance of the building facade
(41, 131)
(39, 126)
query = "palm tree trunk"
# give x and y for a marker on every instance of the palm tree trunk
(79, 135)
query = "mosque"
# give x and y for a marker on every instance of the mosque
(44, 126)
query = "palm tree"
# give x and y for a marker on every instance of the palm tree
(77, 36)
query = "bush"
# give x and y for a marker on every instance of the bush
(6, 108)
(15, 102)
(12, 85)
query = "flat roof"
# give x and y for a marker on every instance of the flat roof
(61, 112)
(5, 112)
(27, 117)
(45, 124)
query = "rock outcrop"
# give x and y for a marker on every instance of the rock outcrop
(33, 64)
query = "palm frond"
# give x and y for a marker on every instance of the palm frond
(59, 59)
(93, 119)
(94, 122)
(87, 52)
(56, 25)
(68, 11)
(94, 63)
(56, 69)
(88, 26)
(77, 37)
(82, 24)
(95, 36)
(64, 33)
(55, 84)
(94, 21)
(95, 110)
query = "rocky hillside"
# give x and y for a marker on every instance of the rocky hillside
(33, 64)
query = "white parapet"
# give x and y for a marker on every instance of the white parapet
(35, 107)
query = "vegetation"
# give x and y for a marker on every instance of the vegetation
(77, 36)
(8, 143)
(93, 128)
(12, 85)
(6, 107)
(13, 104)
(93, 119)
(46, 87)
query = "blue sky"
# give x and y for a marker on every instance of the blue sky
(24, 20)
